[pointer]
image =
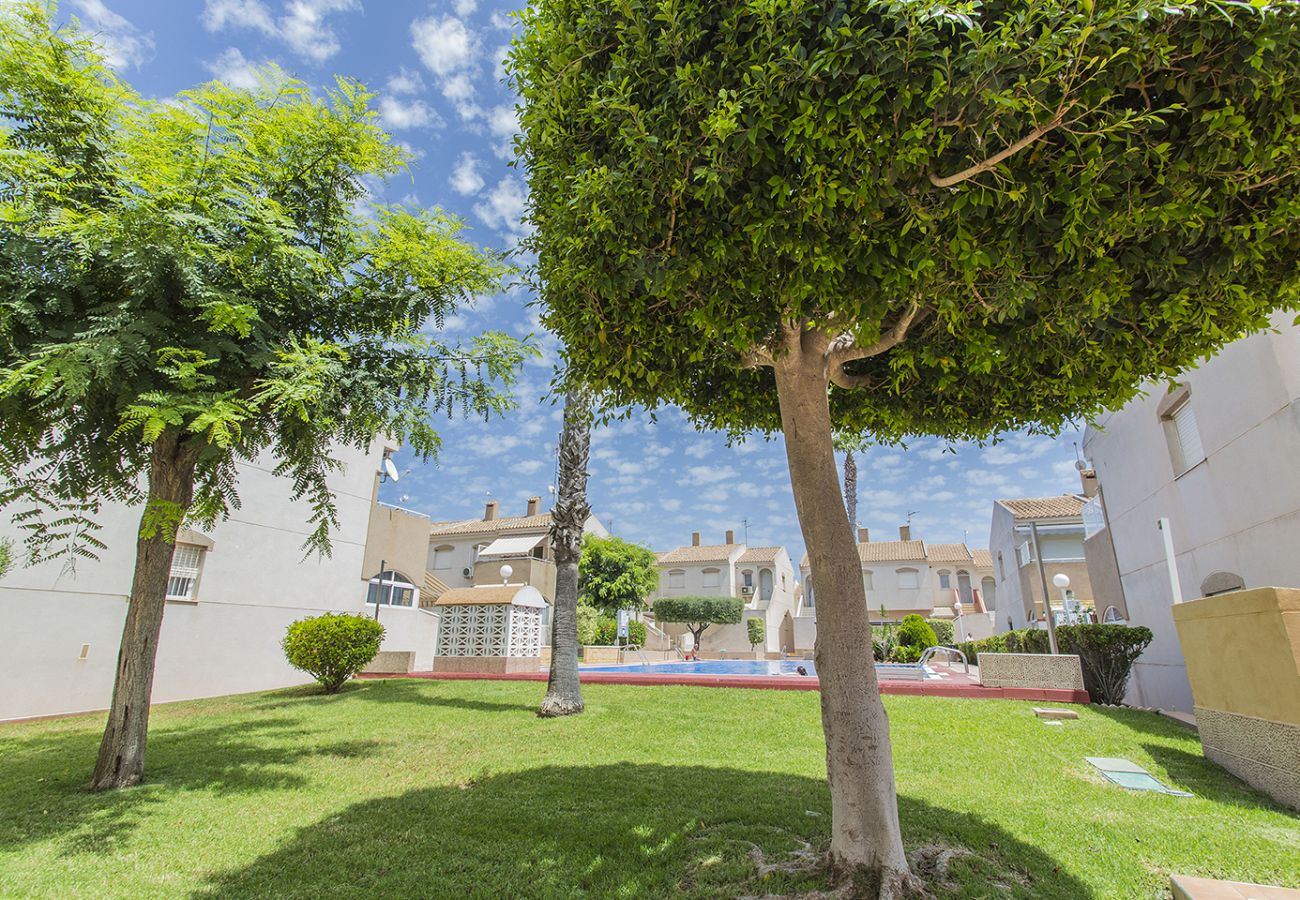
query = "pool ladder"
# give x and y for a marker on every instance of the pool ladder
(640, 654)
(925, 657)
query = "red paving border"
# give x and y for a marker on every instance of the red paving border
(930, 688)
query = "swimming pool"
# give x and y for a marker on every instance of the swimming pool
(750, 667)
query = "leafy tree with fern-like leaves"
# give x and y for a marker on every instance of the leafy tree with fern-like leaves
(192, 283)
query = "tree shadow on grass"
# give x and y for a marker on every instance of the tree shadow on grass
(1206, 778)
(613, 830)
(44, 779)
(411, 690)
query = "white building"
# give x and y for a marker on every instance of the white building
(761, 576)
(907, 576)
(1216, 455)
(232, 594)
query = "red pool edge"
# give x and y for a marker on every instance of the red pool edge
(931, 688)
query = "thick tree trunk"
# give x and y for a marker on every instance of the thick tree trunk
(851, 488)
(171, 488)
(865, 833)
(563, 689)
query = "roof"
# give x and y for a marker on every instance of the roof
(983, 558)
(953, 553)
(501, 594)
(891, 551)
(759, 555)
(1062, 506)
(701, 553)
(540, 522)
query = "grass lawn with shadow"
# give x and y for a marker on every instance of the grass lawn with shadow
(425, 788)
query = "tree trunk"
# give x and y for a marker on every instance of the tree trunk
(865, 834)
(851, 488)
(171, 490)
(563, 689)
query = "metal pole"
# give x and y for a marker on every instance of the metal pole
(1171, 562)
(1047, 597)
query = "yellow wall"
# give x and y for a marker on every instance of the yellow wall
(400, 539)
(1243, 652)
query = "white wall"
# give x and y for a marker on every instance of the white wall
(1238, 511)
(255, 581)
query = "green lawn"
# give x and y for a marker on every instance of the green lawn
(454, 789)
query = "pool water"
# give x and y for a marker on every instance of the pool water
(715, 667)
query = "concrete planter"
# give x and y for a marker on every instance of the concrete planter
(1030, 670)
(392, 662)
(1242, 651)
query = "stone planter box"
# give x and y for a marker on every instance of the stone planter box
(1242, 651)
(1030, 670)
(487, 665)
(392, 662)
(600, 656)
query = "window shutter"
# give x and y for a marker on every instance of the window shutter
(1189, 437)
(184, 572)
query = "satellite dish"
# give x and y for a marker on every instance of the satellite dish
(391, 470)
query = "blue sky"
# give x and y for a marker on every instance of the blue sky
(436, 68)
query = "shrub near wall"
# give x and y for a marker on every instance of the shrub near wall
(333, 647)
(943, 631)
(607, 632)
(1106, 652)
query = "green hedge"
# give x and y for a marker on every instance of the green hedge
(1106, 652)
(943, 632)
(914, 631)
(333, 647)
(607, 632)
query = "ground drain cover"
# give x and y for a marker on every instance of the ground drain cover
(1129, 774)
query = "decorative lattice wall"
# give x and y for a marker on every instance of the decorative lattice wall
(490, 630)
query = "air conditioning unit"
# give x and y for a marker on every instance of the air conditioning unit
(467, 572)
(746, 589)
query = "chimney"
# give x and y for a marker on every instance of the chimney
(904, 532)
(731, 537)
(864, 536)
(534, 505)
(490, 512)
(695, 539)
(1089, 479)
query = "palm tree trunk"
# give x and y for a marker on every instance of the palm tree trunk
(866, 838)
(563, 689)
(171, 490)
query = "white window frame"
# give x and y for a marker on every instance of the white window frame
(1025, 553)
(186, 567)
(909, 579)
(442, 555)
(676, 579)
(945, 580)
(868, 580)
(712, 577)
(390, 582)
(1186, 450)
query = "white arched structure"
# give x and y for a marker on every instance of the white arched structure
(490, 629)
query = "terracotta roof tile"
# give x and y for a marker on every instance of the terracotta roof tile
(953, 553)
(494, 526)
(759, 555)
(891, 551)
(1062, 506)
(475, 596)
(702, 553)
(983, 558)
(917, 551)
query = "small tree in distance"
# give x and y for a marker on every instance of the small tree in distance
(616, 574)
(880, 220)
(698, 613)
(756, 631)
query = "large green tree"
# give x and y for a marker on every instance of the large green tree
(190, 283)
(886, 219)
(616, 574)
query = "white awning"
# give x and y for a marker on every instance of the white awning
(512, 546)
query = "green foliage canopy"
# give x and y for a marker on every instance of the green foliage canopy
(207, 270)
(756, 631)
(699, 610)
(615, 574)
(1042, 203)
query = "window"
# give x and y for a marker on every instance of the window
(391, 588)
(749, 578)
(442, 556)
(187, 559)
(712, 577)
(945, 580)
(909, 579)
(1184, 436)
(1025, 553)
(676, 579)
(866, 581)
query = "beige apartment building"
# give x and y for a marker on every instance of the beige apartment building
(763, 577)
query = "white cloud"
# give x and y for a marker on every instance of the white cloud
(707, 474)
(672, 504)
(700, 450)
(235, 70)
(123, 45)
(465, 179)
(528, 466)
(465, 7)
(405, 82)
(398, 113)
(446, 46)
(459, 90)
(303, 26)
(503, 208)
(503, 123)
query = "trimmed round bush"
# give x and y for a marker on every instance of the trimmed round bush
(333, 647)
(914, 631)
(755, 630)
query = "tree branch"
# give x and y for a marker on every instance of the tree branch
(845, 349)
(993, 161)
